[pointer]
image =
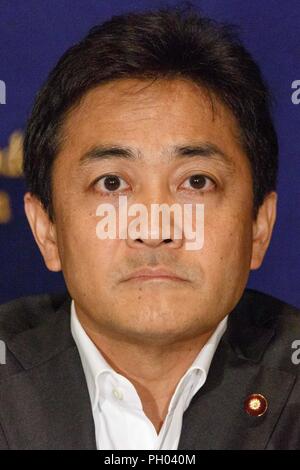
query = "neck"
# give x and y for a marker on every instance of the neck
(154, 370)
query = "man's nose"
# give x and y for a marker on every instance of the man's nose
(161, 224)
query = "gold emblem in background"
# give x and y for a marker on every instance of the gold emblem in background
(5, 210)
(11, 162)
(11, 158)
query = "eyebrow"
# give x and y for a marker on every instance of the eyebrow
(202, 149)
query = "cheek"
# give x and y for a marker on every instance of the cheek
(228, 245)
(81, 251)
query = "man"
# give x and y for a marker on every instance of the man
(155, 346)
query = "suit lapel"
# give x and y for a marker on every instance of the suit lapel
(216, 418)
(47, 405)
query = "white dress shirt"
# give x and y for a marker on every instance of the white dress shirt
(120, 422)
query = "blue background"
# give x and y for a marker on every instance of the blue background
(34, 34)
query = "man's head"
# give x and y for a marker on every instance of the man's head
(163, 107)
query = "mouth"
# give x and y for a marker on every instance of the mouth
(157, 274)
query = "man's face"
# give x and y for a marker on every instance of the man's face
(153, 121)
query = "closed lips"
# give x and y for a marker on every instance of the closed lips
(147, 273)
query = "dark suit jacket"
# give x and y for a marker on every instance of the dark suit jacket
(44, 401)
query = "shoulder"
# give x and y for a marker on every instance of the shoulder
(266, 309)
(28, 312)
(268, 329)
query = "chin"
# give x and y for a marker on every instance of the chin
(160, 325)
(159, 335)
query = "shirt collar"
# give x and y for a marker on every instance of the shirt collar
(197, 373)
(94, 364)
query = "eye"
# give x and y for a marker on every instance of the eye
(199, 182)
(110, 184)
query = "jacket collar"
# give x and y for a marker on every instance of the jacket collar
(34, 346)
(252, 325)
(47, 405)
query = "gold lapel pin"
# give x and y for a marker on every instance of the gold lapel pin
(256, 405)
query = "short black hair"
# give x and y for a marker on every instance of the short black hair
(165, 43)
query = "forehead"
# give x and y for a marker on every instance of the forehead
(150, 115)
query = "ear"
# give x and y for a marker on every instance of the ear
(44, 231)
(262, 229)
